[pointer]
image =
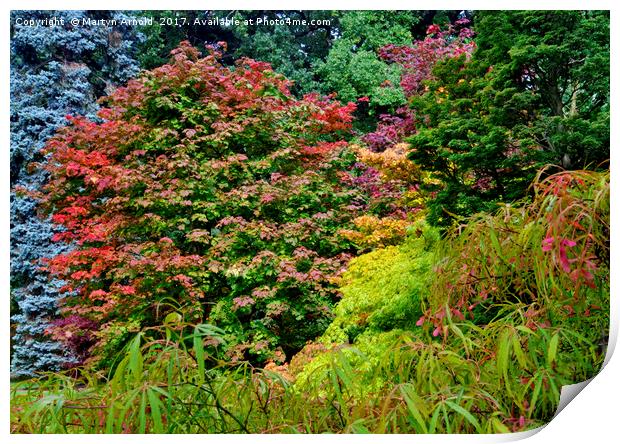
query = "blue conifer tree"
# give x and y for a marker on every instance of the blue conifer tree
(55, 71)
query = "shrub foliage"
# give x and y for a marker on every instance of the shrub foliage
(238, 258)
(374, 370)
(207, 193)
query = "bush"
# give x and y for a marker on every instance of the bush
(550, 254)
(208, 192)
(383, 290)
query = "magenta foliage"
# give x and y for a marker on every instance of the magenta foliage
(417, 62)
(419, 59)
(391, 129)
(78, 333)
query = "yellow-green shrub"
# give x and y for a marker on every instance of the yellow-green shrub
(382, 290)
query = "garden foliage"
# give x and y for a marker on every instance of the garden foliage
(383, 290)
(55, 71)
(207, 194)
(416, 63)
(495, 373)
(236, 253)
(519, 300)
(524, 99)
(353, 69)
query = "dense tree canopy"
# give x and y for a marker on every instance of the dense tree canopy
(335, 52)
(536, 91)
(560, 60)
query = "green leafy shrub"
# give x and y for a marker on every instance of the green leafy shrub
(384, 289)
(523, 100)
(209, 192)
(551, 254)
